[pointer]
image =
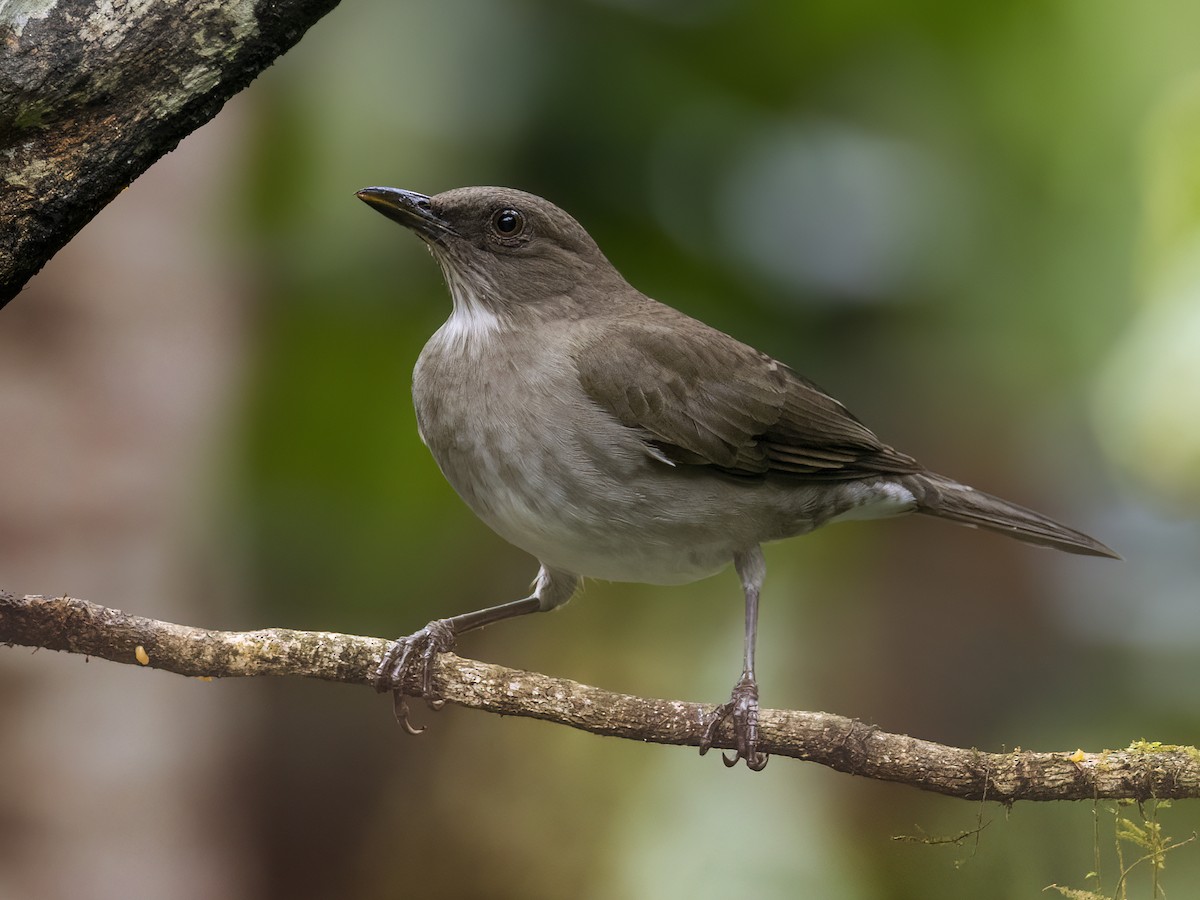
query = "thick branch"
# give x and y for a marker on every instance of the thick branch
(92, 92)
(1139, 772)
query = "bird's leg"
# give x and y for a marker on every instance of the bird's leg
(419, 648)
(551, 589)
(742, 708)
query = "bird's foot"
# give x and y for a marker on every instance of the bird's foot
(404, 656)
(742, 710)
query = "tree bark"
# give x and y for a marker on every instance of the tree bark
(92, 92)
(1139, 772)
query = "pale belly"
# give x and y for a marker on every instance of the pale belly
(612, 522)
(556, 476)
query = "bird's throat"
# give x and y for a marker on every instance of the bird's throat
(473, 318)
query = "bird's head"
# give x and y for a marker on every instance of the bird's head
(502, 248)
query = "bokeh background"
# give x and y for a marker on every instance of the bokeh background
(977, 224)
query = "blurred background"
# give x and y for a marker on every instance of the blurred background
(977, 225)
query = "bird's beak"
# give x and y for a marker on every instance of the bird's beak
(410, 209)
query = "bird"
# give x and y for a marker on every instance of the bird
(614, 437)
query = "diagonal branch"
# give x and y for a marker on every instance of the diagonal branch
(1139, 772)
(93, 92)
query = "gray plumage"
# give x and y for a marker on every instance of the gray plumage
(614, 437)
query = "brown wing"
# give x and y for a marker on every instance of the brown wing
(699, 397)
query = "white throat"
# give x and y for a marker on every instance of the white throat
(471, 320)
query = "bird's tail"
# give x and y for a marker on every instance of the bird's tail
(947, 499)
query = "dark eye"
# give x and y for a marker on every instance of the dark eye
(508, 222)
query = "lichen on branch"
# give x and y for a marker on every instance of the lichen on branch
(92, 93)
(1141, 771)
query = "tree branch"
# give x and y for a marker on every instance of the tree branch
(92, 92)
(1139, 772)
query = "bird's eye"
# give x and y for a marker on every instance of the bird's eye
(508, 223)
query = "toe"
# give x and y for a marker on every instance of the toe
(400, 711)
(742, 710)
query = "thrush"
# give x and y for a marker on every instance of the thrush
(614, 437)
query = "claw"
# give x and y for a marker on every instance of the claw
(742, 711)
(417, 649)
(400, 711)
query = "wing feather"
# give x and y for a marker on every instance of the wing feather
(700, 397)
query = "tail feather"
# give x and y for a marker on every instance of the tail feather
(947, 499)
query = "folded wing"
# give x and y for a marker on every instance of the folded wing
(698, 397)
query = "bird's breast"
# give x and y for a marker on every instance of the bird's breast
(508, 425)
(504, 415)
